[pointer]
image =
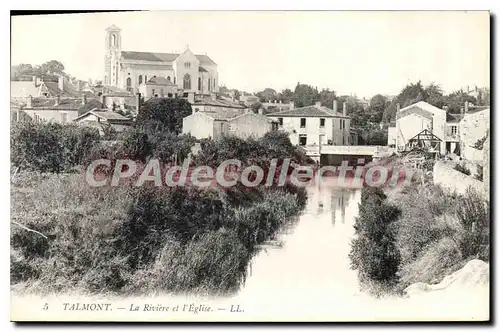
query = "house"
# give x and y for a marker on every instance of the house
(215, 106)
(277, 106)
(218, 124)
(312, 125)
(158, 87)
(414, 119)
(41, 87)
(249, 100)
(61, 110)
(104, 120)
(129, 69)
(444, 126)
(473, 127)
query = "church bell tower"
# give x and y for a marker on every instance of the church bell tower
(113, 48)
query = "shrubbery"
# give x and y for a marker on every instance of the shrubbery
(126, 239)
(374, 253)
(50, 147)
(462, 169)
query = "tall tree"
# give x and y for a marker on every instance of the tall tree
(266, 95)
(305, 95)
(163, 114)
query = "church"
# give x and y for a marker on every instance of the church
(128, 70)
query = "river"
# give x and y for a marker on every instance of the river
(308, 276)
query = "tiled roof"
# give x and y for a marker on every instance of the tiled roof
(50, 104)
(217, 103)
(203, 70)
(159, 81)
(424, 106)
(104, 114)
(308, 111)
(453, 117)
(473, 110)
(162, 57)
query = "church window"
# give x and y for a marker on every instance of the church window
(129, 82)
(199, 83)
(214, 85)
(161, 92)
(174, 80)
(187, 64)
(140, 79)
(145, 78)
(168, 78)
(114, 40)
(187, 82)
(209, 89)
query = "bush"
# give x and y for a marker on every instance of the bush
(126, 239)
(479, 173)
(374, 253)
(50, 147)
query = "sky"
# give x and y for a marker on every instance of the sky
(359, 53)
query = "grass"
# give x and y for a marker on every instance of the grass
(128, 240)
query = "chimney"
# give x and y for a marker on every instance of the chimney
(397, 107)
(103, 100)
(318, 103)
(344, 109)
(84, 99)
(138, 101)
(190, 97)
(466, 106)
(60, 83)
(335, 105)
(29, 102)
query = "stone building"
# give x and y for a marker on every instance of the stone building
(129, 69)
(312, 125)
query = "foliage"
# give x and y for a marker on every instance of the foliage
(479, 173)
(50, 147)
(50, 68)
(373, 251)
(462, 168)
(305, 95)
(137, 240)
(480, 143)
(163, 114)
(266, 95)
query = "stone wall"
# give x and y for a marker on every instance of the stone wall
(453, 180)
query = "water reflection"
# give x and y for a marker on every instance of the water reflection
(333, 201)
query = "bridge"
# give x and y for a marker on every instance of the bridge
(335, 154)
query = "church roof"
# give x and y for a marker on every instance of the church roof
(309, 111)
(162, 57)
(159, 81)
(113, 28)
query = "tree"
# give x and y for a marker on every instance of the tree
(286, 96)
(255, 107)
(435, 95)
(266, 95)
(326, 97)
(305, 95)
(163, 114)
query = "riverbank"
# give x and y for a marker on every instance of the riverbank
(67, 236)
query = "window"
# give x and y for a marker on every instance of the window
(153, 92)
(168, 78)
(140, 79)
(187, 82)
(214, 84)
(280, 121)
(453, 130)
(209, 86)
(169, 95)
(196, 109)
(232, 127)
(114, 40)
(342, 124)
(187, 64)
(145, 78)
(274, 126)
(161, 92)
(174, 80)
(222, 128)
(302, 122)
(199, 83)
(302, 139)
(129, 82)
(322, 123)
